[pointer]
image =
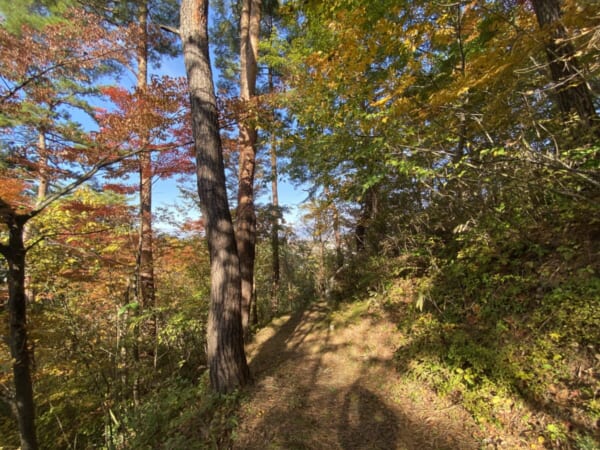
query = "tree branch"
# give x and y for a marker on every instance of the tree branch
(102, 164)
(80, 233)
(169, 29)
(36, 76)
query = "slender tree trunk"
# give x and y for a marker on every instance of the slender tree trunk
(246, 214)
(359, 236)
(572, 92)
(42, 192)
(43, 168)
(322, 275)
(462, 138)
(335, 224)
(14, 253)
(146, 261)
(275, 213)
(275, 216)
(228, 368)
(337, 234)
(368, 211)
(453, 186)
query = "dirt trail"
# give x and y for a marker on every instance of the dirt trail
(322, 386)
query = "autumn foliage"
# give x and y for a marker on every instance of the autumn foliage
(447, 157)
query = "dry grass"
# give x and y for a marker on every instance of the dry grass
(327, 381)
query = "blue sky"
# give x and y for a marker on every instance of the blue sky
(169, 205)
(166, 193)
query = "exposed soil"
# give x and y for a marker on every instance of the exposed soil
(325, 386)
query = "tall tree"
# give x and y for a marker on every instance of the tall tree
(246, 214)
(15, 212)
(149, 44)
(145, 265)
(14, 253)
(275, 217)
(42, 70)
(154, 124)
(145, 43)
(571, 88)
(228, 368)
(271, 13)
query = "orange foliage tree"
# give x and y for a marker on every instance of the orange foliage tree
(47, 74)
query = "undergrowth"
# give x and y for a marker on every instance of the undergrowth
(509, 329)
(183, 415)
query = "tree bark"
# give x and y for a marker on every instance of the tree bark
(14, 253)
(228, 368)
(337, 235)
(42, 192)
(275, 216)
(246, 214)
(146, 261)
(43, 177)
(275, 212)
(368, 211)
(572, 92)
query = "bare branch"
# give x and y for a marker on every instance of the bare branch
(169, 29)
(102, 164)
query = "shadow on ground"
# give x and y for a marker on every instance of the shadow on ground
(366, 422)
(546, 383)
(315, 390)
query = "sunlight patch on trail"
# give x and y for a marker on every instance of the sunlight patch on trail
(326, 385)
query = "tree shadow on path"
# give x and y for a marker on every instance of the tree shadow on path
(366, 422)
(315, 389)
(284, 344)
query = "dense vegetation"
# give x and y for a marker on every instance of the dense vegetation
(451, 155)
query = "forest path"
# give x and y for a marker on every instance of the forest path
(326, 380)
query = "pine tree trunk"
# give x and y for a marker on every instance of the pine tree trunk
(275, 213)
(43, 168)
(246, 214)
(228, 368)
(14, 253)
(275, 265)
(146, 261)
(572, 92)
(42, 192)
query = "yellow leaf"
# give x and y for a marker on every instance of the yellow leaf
(382, 101)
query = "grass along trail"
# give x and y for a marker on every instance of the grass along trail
(326, 380)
